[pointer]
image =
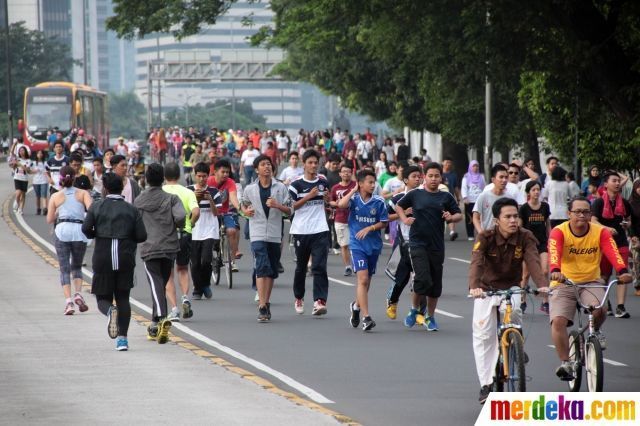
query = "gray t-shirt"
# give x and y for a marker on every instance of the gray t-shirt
(483, 205)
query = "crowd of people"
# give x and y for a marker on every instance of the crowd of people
(341, 192)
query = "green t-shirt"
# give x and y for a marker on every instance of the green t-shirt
(384, 178)
(188, 198)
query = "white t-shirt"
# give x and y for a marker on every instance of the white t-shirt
(512, 191)
(283, 142)
(19, 173)
(392, 185)
(132, 146)
(248, 156)
(557, 195)
(484, 204)
(364, 149)
(380, 168)
(40, 175)
(289, 173)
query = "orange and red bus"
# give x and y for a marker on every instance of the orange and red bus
(62, 107)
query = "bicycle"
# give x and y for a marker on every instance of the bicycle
(223, 257)
(587, 352)
(510, 373)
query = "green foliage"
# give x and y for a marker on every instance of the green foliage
(137, 18)
(34, 59)
(127, 115)
(217, 114)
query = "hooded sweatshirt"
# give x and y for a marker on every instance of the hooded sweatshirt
(162, 214)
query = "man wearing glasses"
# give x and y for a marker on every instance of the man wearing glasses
(576, 248)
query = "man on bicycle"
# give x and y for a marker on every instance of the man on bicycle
(496, 263)
(575, 251)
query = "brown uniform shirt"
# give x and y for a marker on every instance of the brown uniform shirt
(497, 263)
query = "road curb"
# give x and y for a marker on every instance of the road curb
(195, 349)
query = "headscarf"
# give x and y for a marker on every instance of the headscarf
(634, 200)
(474, 178)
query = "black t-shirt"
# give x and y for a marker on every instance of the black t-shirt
(264, 194)
(536, 221)
(333, 178)
(428, 229)
(403, 153)
(597, 208)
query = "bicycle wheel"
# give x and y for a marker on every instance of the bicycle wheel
(516, 381)
(225, 248)
(216, 265)
(593, 364)
(575, 356)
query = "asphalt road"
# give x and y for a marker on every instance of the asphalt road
(392, 375)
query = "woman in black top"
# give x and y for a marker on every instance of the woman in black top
(634, 233)
(534, 216)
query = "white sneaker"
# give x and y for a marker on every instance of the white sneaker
(319, 308)
(299, 306)
(15, 206)
(336, 251)
(471, 239)
(174, 315)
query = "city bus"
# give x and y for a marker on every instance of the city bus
(62, 107)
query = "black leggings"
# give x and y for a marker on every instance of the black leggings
(124, 308)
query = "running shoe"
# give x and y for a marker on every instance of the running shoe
(319, 307)
(431, 324)
(621, 312)
(410, 319)
(453, 235)
(523, 307)
(269, 311)
(484, 393)
(15, 206)
(471, 239)
(299, 306)
(122, 344)
(234, 268)
(256, 298)
(163, 331)
(565, 371)
(609, 309)
(354, 318)
(152, 332)
(348, 271)
(421, 318)
(174, 315)
(602, 339)
(196, 296)
(207, 292)
(368, 323)
(336, 251)
(392, 310)
(69, 310)
(544, 307)
(112, 321)
(187, 312)
(263, 314)
(82, 306)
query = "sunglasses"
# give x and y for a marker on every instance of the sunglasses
(513, 173)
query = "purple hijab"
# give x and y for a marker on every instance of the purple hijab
(474, 178)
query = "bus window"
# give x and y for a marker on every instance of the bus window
(87, 114)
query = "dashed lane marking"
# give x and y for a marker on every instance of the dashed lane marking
(198, 351)
(460, 260)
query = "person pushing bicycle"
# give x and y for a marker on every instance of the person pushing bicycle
(575, 250)
(496, 263)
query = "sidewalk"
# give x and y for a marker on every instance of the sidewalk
(58, 369)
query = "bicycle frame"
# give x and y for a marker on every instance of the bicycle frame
(589, 309)
(506, 327)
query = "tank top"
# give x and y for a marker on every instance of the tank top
(70, 209)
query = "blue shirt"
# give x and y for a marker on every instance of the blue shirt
(363, 214)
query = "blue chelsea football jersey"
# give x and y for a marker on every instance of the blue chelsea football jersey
(363, 214)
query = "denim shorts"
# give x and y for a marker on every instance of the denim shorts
(266, 257)
(231, 221)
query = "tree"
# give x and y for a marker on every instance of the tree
(34, 59)
(127, 114)
(217, 114)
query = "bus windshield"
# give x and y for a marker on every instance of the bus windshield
(48, 115)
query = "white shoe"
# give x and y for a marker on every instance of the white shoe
(299, 306)
(336, 251)
(15, 206)
(257, 298)
(471, 239)
(174, 316)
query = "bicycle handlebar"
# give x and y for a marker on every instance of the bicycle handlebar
(509, 292)
(577, 286)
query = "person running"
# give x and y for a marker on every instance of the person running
(404, 268)
(534, 216)
(40, 181)
(310, 231)
(497, 261)
(472, 185)
(246, 163)
(131, 188)
(265, 202)
(117, 228)
(293, 170)
(614, 212)
(162, 214)
(230, 205)
(431, 209)
(22, 167)
(54, 164)
(576, 249)
(205, 232)
(482, 210)
(341, 216)
(190, 203)
(66, 210)
(367, 217)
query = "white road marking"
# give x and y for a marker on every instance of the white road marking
(460, 260)
(607, 360)
(315, 396)
(341, 282)
(447, 314)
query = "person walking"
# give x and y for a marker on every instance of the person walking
(634, 233)
(473, 184)
(117, 228)
(265, 202)
(341, 216)
(162, 214)
(21, 169)
(66, 210)
(40, 181)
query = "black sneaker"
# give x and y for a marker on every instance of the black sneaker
(609, 309)
(368, 323)
(621, 312)
(269, 311)
(566, 371)
(355, 315)
(263, 314)
(453, 235)
(484, 393)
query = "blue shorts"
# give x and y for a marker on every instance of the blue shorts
(265, 258)
(231, 221)
(364, 262)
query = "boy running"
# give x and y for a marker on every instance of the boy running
(367, 216)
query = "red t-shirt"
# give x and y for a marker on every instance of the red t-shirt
(227, 187)
(337, 192)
